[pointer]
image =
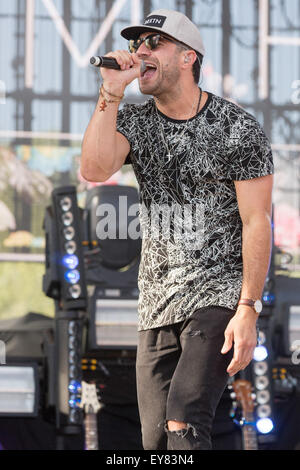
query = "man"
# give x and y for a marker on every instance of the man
(191, 150)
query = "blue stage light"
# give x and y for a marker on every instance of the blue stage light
(265, 425)
(268, 298)
(72, 276)
(74, 386)
(260, 353)
(70, 261)
(74, 401)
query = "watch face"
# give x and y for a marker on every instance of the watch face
(258, 306)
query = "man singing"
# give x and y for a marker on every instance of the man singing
(200, 290)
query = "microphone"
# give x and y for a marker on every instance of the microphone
(111, 63)
(107, 62)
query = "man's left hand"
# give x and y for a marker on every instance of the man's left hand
(241, 334)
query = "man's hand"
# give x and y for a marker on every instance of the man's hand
(242, 335)
(130, 69)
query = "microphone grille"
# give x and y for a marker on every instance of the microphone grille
(95, 61)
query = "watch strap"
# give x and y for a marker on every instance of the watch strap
(248, 302)
(255, 304)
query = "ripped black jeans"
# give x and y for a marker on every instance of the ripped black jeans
(181, 376)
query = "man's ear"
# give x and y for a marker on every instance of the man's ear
(189, 57)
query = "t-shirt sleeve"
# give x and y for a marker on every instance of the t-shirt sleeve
(251, 156)
(126, 120)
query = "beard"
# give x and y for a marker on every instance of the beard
(166, 78)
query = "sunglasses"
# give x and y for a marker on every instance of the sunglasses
(151, 42)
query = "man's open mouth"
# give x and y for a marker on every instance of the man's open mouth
(149, 71)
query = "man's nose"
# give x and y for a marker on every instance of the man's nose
(143, 51)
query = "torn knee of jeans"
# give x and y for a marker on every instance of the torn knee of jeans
(197, 333)
(181, 432)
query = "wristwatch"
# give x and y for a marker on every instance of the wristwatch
(255, 304)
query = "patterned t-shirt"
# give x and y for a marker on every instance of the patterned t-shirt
(191, 227)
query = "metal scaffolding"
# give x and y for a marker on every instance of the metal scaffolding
(50, 89)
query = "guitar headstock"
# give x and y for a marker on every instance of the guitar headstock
(89, 398)
(243, 389)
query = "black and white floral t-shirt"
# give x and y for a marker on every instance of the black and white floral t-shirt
(192, 231)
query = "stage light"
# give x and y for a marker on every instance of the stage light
(70, 261)
(261, 337)
(70, 247)
(64, 252)
(261, 382)
(73, 344)
(268, 298)
(73, 328)
(75, 377)
(113, 273)
(115, 322)
(69, 233)
(263, 411)
(265, 425)
(260, 368)
(75, 291)
(262, 397)
(66, 203)
(73, 357)
(18, 390)
(74, 387)
(64, 281)
(74, 401)
(72, 371)
(260, 353)
(72, 276)
(67, 219)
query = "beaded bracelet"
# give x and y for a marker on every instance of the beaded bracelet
(107, 100)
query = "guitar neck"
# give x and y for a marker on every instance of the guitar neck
(91, 431)
(249, 434)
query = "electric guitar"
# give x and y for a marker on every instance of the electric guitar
(242, 389)
(91, 406)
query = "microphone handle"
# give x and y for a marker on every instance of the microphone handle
(106, 62)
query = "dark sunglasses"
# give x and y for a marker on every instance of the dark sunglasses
(151, 42)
